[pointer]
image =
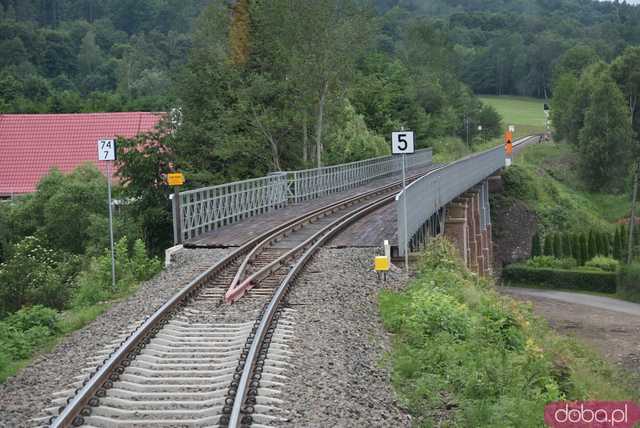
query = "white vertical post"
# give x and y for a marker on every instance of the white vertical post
(404, 214)
(113, 257)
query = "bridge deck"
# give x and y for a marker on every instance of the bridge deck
(367, 232)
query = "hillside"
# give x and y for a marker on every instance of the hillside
(512, 46)
(83, 55)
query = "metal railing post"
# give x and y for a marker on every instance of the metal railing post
(172, 197)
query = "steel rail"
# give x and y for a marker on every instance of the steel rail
(299, 223)
(308, 248)
(115, 364)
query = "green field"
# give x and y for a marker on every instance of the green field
(526, 114)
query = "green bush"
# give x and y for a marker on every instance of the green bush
(606, 264)
(33, 275)
(26, 330)
(629, 282)
(520, 183)
(433, 312)
(604, 282)
(132, 266)
(552, 262)
(35, 316)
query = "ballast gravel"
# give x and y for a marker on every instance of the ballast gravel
(337, 376)
(25, 395)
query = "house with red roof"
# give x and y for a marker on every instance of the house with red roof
(32, 144)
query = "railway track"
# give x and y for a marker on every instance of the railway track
(200, 361)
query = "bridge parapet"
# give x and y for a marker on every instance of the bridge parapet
(317, 182)
(203, 210)
(427, 196)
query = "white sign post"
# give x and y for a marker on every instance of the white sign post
(107, 152)
(402, 143)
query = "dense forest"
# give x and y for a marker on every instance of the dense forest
(88, 55)
(71, 55)
(511, 46)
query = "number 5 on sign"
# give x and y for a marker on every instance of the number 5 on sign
(106, 150)
(402, 142)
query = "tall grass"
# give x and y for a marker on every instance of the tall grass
(467, 356)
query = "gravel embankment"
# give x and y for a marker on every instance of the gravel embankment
(337, 377)
(25, 395)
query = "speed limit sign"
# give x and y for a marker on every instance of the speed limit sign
(402, 143)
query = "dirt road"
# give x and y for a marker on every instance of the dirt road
(610, 326)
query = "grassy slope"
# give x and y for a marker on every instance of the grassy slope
(70, 321)
(556, 166)
(526, 114)
(545, 177)
(466, 356)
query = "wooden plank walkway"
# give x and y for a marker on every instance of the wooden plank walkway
(365, 233)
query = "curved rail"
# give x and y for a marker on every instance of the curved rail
(299, 222)
(241, 283)
(117, 362)
(307, 248)
(112, 367)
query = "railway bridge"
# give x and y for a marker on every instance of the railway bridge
(213, 354)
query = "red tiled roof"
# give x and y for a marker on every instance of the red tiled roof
(32, 144)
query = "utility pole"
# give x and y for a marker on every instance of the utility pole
(466, 124)
(632, 218)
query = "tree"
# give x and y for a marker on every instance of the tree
(89, 55)
(317, 43)
(490, 120)
(624, 238)
(592, 245)
(12, 52)
(584, 249)
(567, 250)
(578, 248)
(625, 70)
(239, 33)
(617, 245)
(67, 212)
(557, 246)
(605, 141)
(575, 60)
(143, 163)
(564, 89)
(548, 245)
(536, 248)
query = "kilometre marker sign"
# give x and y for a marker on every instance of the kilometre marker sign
(402, 143)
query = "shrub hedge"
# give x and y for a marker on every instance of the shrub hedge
(629, 282)
(604, 282)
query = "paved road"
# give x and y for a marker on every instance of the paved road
(600, 302)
